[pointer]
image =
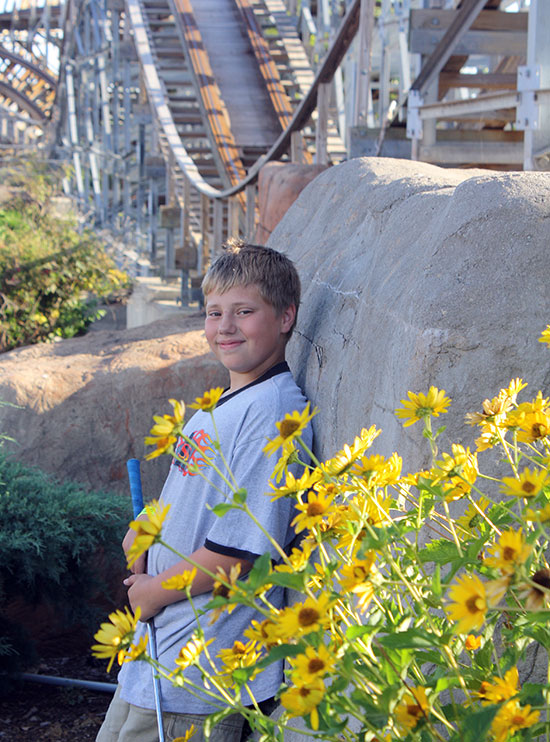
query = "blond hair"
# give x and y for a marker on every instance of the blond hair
(242, 264)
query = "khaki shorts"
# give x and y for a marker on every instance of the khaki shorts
(127, 723)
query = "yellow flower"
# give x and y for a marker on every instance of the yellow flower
(528, 484)
(495, 409)
(188, 734)
(288, 456)
(115, 637)
(537, 516)
(509, 552)
(312, 512)
(180, 582)
(315, 663)
(511, 718)
(293, 486)
(472, 519)
(225, 586)
(264, 633)
(147, 531)
(289, 428)
(357, 578)
(545, 335)
(412, 708)
(499, 689)
(362, 511)
(472, 643)
(164, 444)
(166, 429)
(489, 437)
(469, 603)
(209, 400)
(537, 594)
(136, 651)
(298, 558)
(303, 618)
(342, 460)
(423, 405)
(240, 655)
(377, 470)
(189, 654)
(533, 427)
(495, 590)
(304, 699)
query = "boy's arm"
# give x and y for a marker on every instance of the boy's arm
(147, 591)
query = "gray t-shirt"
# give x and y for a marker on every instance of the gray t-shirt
(244, 420)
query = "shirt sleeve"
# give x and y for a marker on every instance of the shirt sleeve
(236, 533)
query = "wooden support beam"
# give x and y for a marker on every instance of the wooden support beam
(362, 81)
(445, 48)
(323, 99)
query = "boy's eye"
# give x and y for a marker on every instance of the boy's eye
(244, 311)
(213, 313)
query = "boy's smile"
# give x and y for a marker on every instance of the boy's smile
(245, 333)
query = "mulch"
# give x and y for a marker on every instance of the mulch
(33, 712)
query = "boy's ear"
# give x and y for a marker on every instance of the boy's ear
(288, 317)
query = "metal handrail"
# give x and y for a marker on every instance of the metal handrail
(157, 98)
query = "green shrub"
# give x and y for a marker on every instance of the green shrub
(54, 537)
(51, 276)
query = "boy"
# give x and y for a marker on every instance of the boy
(252, 295)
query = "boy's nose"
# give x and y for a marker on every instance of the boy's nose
(227, 323)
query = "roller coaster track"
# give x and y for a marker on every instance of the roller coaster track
(170, 108)
(30, 86)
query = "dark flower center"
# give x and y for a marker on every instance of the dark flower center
(288, 427)
(308, 616)
(316, 665)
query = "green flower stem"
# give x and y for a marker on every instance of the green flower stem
(210, 463)
(309, 452)
(504, 445)
(235, 485)
(198, 470)
(452, 527)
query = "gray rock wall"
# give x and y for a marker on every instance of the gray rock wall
(415, 275)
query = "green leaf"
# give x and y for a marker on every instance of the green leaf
(259, 572)
(410, 639)
(376, 716)
(440, 551)
(476, 725)
(222, 508)
(354, 632)
(280, 652)
(240, 496)
(292, 581)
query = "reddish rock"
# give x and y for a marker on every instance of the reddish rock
(279, 185)
(86, 404)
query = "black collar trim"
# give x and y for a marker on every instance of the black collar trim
(278, 368)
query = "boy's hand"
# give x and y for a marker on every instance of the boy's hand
(138, 567)
(140, 594)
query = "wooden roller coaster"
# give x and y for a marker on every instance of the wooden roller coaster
(168, 109)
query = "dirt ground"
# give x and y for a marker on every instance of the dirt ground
(34, 712)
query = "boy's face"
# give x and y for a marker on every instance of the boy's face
(245, 333)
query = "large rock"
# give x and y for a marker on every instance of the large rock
(415, 275)
(279, 185)
(86, 404)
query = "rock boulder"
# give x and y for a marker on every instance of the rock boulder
(415, 275)
(85, 405)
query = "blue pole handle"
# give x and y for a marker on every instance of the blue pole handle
(136, 492)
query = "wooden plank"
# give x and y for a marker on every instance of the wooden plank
(487, 20)
(480, 153)
(425, 41)
(490, 81)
